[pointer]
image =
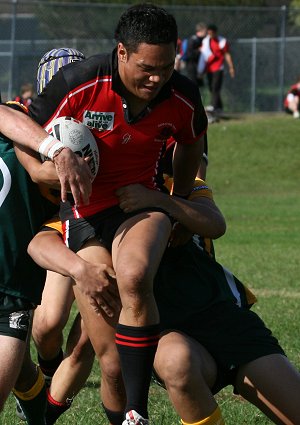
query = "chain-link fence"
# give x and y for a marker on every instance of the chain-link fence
(265, 43)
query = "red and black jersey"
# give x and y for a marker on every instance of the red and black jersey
(295, 89)
(129, 147)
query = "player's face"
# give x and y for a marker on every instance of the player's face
(212, 33)
(144, 72)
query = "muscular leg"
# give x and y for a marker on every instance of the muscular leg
(52, 315)
(188, 372)
(101, 331)
(28, 372)
(74, 370)
(30, 389)
(11, 353)
(49, 321)
(136, 252)
(273, 385)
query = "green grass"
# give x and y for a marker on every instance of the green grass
(254, 172)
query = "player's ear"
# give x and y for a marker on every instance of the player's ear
(122, 53)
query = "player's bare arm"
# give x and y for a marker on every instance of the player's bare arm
(40, 172)
(186, 162)
(73, 172)
(96, 282)
(200, 216)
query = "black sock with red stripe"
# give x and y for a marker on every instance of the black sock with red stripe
(137, 347)
(55, 409)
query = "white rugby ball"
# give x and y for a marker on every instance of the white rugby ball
(76, 136)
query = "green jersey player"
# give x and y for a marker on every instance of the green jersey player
(22, 211)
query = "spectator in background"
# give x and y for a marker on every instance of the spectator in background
(193, 52)
(214, 51)
(26, 94)
(178, 58)
(292, 99)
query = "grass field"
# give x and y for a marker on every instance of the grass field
(255, 174)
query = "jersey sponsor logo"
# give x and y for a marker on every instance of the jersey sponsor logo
(6, 181)
(101, 121)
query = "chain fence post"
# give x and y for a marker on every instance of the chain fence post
(253, 75)
(282, 56)
(12, 48)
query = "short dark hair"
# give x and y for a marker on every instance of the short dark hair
(212, 27)
(146, 23)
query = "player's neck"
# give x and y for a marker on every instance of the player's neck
(135, 105)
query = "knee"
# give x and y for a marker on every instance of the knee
(130, 278)
(135, 286)
(47, 325)
(110, 366)
(183, 364)
(174, 365)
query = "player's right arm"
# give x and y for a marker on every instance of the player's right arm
(72, 171)
(96, 281)
(40, 173)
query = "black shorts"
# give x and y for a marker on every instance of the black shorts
(15, 316)
(233, 336)
(102, 225)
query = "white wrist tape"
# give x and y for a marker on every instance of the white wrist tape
(49, 146)
(57, 146)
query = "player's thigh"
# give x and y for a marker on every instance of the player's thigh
(100, 328)
(12, 352)
(180, 356)
(140, 241)
(57, 300)
(95, 253)
(272, 384)
(257, 377)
